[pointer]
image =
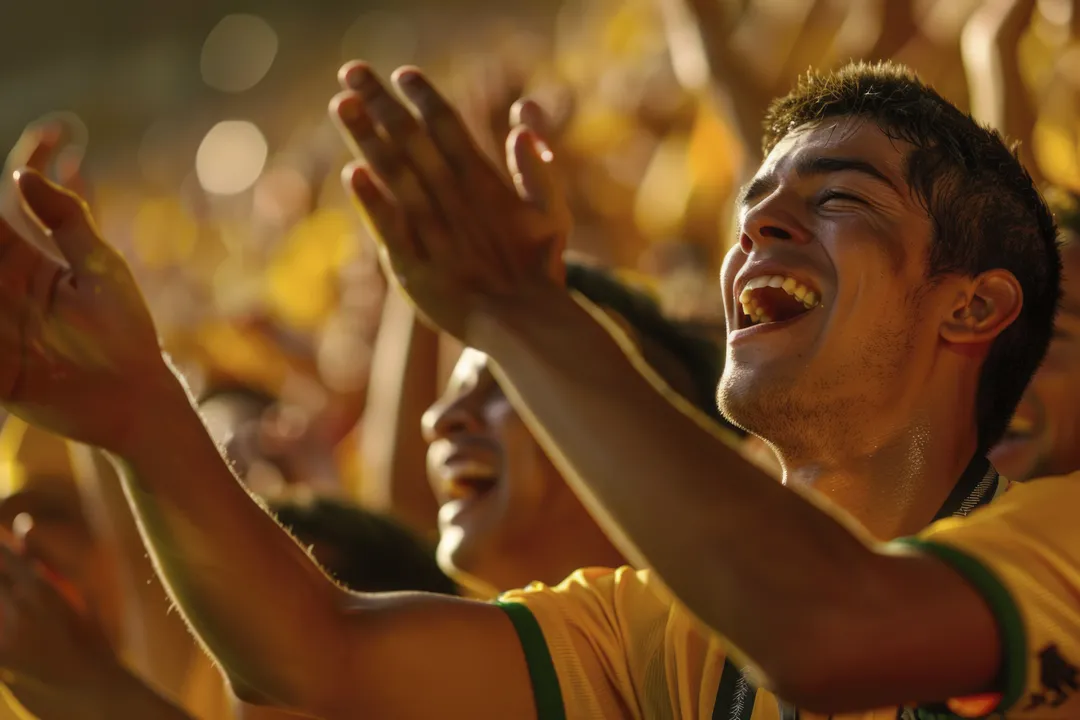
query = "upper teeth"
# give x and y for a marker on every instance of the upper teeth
(789, 285)
(1021, 425)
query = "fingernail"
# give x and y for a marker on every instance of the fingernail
(407, 77)
(347, 173)
(358, 77)
(348, 107)
(353, 73)
(351, 174)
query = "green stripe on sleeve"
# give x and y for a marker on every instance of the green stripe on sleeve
(1002, 605)
(545, 682)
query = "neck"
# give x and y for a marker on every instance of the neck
(896, 485)
(548, 557)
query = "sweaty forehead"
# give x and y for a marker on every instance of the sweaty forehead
(840, 137)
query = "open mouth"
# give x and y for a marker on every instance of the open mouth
(462, 479)
(768, 299)
(1020, 428)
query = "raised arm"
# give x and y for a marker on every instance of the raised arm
(990, 45)
(404, 384)
(474, 257)
(79, 356)
(698, 39)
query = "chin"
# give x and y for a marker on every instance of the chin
(470, 561)
(753, 398)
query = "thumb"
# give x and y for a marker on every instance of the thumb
(528, 112)
(536, 178)
(64, 216)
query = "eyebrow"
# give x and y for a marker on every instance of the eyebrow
(810, 167)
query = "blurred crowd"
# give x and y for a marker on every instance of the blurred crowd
(335, 404)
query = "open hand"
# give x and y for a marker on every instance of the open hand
(77, 345)
(41, 146)
(453, 229)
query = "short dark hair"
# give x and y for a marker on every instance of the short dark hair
(369, 552)
(700, 356)
(984, 207)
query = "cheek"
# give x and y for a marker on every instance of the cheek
(733, 262)
(526, 470)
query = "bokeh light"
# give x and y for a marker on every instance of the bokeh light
(238, 53)
(231, 157)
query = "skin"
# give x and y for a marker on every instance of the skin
(930, 436)
(608, 423)
(842, 393)
(527, 525)
(1044, 437)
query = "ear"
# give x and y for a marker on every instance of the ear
(989, 303)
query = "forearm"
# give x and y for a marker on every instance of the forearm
(244, 585)
(403, 385)
(153, 637)
(644, 461)
(698, 39)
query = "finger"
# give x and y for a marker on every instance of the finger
(393, 171)
(384, 160)
(399, 127)
(69, 173)
(36, 147)
(401, 130)
(67, 220)
(448, 130)
(347, 74)
(384, 219)
(531, 164)
(537, 181)
(528, 112)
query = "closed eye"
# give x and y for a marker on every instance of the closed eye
(831, 195)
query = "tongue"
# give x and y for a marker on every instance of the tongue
(777, 304)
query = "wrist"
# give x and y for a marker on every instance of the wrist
(497, 321)
(155, 402)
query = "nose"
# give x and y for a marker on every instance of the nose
(771, 220)
(449, 417)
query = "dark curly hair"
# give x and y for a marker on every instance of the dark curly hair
(985, 211)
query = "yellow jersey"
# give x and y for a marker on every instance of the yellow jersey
(615, 643)
(1023, 555)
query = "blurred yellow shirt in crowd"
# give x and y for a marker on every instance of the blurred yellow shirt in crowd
(615, 643)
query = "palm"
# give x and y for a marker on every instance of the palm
(76, 343)
(454, 230)
(79, 360)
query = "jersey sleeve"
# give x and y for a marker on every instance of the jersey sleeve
(576, 639)
(1023, 555)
